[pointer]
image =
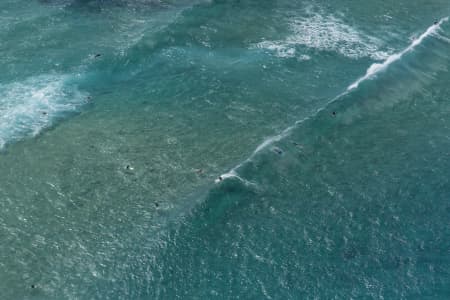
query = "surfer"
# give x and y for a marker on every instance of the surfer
(436, 22)
(278, 151)
(97, 55)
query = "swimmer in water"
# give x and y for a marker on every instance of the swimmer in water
(436, 22)
(278, 151)
(297, 144)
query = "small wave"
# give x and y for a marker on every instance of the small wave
(230, 174)
(371, 71)
(441, 37)
(28, 107)
(326, 34)
(233, 174)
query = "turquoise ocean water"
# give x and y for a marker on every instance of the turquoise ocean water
(224, 149)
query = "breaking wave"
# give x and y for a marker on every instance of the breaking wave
(370, 73)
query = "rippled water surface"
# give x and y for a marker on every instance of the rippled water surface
(224, 149)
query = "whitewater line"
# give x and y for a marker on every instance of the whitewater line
(375, 68)
(371, 71)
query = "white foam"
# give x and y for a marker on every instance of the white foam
(373, 69)
(304, 57)
(29, 106)
(377, 67)
(326, 33)
(222, 177)
(267, 142)
(441, 37)
(280, 49)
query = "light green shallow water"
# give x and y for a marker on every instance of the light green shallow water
(352, 202)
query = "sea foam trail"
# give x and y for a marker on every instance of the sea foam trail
(370, 73)
(29, 106)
